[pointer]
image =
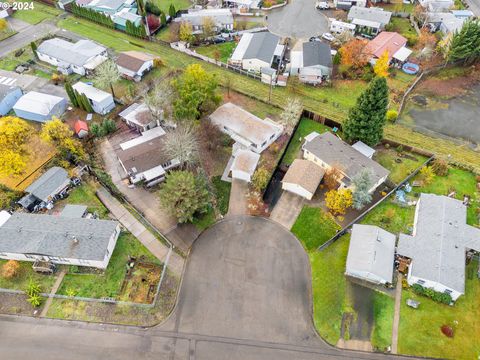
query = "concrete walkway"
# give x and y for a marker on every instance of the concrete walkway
(140, 232)
(238, 198)
(54, 290)
(396, 316)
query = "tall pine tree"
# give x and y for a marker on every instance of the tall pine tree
(366, 120)
(465, 43)
(171, 11)
(71, 94)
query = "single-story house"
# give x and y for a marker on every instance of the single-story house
(81, 57)
(303, 178)
(39, 107)
(9, 95)
(81, 128)
(241, 6)
(120, 18)
(5, 13)
(339, 27)
(245, 128)
(369, 21)
(139, 116)
(244, 164)
(143, 158)
(391, 42)
(347, 4)
(437, 5)
(451, 25)
(435, 19)
(46, 188)
(438, 245)
(256, 51)
(109, 7)
(134, 64)
(58, 239)
(222, 19)
(329, 151)
(101, 101)
(462, 14)
(65, 4)
(371, 254)
(313, 63)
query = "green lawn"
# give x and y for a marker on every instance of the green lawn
(314, 227)
(305, 127)
(398, 171)
(39, 13)
(391, 217)
(21, 280)
(419, 332)
(222, 192)
(85, 195)
(10, 62)
(6, 34)
(164, 5)
(204, 221)
(109, 283)
(225, 50)
(383, 312)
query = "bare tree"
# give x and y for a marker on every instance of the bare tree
(182, 144)
(292, 112)
(107, 74)
(159, 101)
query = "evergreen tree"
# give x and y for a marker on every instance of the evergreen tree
(163, 19)
(34, 48)
(141, 8)
(362, 183)
(71, 94)
(171, 11)
(465, 43)
(366, 120)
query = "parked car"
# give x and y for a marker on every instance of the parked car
(328, 36)
(314, 38)
(322, 5)
(218, 40)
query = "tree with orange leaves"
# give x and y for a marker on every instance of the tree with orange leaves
(353, 54)
(426, 39)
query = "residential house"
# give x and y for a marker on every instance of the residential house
(256, 51)
(144, 159)
(139, 117)
(101, 101)
(81, 128)
(39, 107)
(81, 57)
(109, 7)
(120, 18)
(463, 14)
(437, 5)
(46, 188)
(60, 239)
(329, 151)
(65, 4)
(134, 64)
(303, 178)
(451, 25)
(222, 19)
(347, 4)
(364, 149)
(241, 6)
(392, 43)
(338, 27)
(244, 164)
(313, 63)
(245, 128)
(9, 95)
(5, 13)
(369, 21)
(371, 254)
(438, 245)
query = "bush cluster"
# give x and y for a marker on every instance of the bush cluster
(437, 296)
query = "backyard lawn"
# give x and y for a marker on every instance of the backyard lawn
(25, 273)
(10, 62)
(39, 13)
(420, 334)
(389, 158)
(391, 217)
(402, 26)
(109, 283)
(224, 50)
(164, 5)
(85, 195)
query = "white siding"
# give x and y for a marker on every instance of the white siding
(297, 189)
(254, 65)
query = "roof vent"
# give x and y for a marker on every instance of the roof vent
(75, 240)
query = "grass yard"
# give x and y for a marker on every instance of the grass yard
(6, 34)
(10, 62)
(39, 13)
(222, 192)
(164, 5)
(21, 280)
(204, 221)
(398, 171)
(383, 312)
(391, 217)
(314, 227)
(402, 26)
(420, 334)
(224, 50)
(109, 283)
(85, 195)
(305, 127)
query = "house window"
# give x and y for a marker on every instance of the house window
(448, 291)
(420, 282)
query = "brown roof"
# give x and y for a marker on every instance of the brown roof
(305, 174)
(133, 60)
(144, 156)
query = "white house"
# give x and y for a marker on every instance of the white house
(303, 178)
(134, 64)
(438, 244)
(371, 254)
(80, 57)
(244, 164)
(39, 107)
(139, 116)
(327, 151)
(437, 5)
(101, 101)
(245, 128)
(222, 19)
(369, 21)
(256, 51)
(339, 27)
(60, 239)
(312, 63)
(347, 4)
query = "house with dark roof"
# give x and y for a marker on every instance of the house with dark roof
(303, 178)
(134, 64)
(312, 63)
(369, 21)
(66, 240)
(438, 245)
(139, 117)
(329, 151)
(388, 42)
(256, 51)
(9, 95)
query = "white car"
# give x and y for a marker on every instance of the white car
(322, 5)
(328, 36)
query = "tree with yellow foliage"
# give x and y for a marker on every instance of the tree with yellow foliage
(185, 33)
(381, 66)
(338, 201)
(58, 134)
(3, 25)
(14, 134)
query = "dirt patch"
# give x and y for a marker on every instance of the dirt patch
(140, 283)
(451, 87)
(16, 304)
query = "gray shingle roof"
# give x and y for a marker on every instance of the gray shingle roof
(441, 237)
(370, 14)
(317, 53)
(335, 152)
(71, 53)
(49, 183)
(76, 238)
(6, 89)
(73, 211)
(262, 46)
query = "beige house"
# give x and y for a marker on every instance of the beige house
(303, 178)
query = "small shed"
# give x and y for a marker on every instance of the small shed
(244, 164)
(364, 149)
(81, 128)
(74, 211)
(303, 178)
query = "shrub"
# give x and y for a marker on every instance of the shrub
(440, 167)
(437, 296)
(447, 331)
(260, 179)
(35, 300)
(10, 269)
(427, 174)
(32, 288)
(392, 115)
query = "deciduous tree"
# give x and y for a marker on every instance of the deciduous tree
(338, 201)
(107, 74)
(352, 53)
(381, 65)
(185, 33)
(260, 178)
(182, 144)
(10, 269)
(3, 25)
(159, 100)
(208, 27)
(58, 134)
(14, 135)
(331, 178)
(291, 113)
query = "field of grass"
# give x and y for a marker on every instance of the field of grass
(222, 192)
(383, 311)
(109, 283)
(419, 331)
(6, 34)
(402, 26)
(391, 217)
(85, 195)
(314, 227)
(204, 221)
(25, 273)
(305, 127)
(39, 13)
(164, 5)
(10, 62)
(225, 50)
(398, 171)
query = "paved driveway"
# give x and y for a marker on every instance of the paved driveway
(287, 209)
(298, 20)
(238, 198)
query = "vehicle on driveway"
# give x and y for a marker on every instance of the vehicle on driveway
(314, 38)
(328, 36)
(322, 5)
